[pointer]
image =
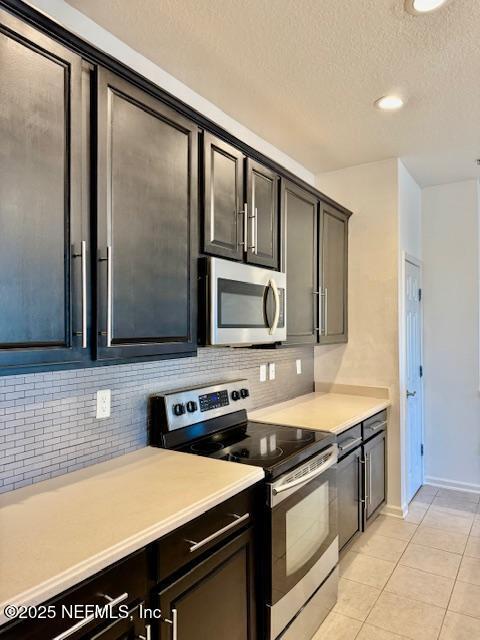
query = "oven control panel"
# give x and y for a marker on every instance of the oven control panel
(185, 407)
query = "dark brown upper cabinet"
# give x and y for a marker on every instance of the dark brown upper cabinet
(300, 211)
(333, 275)
(262, 219)
(240, 204)
(147, 216)
(43, 234)
(223, 199)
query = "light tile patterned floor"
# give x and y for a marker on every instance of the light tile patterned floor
(417, 578)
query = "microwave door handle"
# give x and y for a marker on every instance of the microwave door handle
(276, 296)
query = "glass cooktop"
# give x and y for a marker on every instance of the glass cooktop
(273, 447)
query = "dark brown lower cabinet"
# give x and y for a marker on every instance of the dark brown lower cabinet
(130, 628)
(375, 485)
(215, 599)
(349, 491)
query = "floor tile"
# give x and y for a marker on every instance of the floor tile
(365, 569)
(369, 632)
(476, 527)
(470, 571)
(378, 546)
(438, 539)
(458, 627)
(412, 619)
(393, 527)
(338, 627)
(439, 519)
(450, 505)
(355, 600)
(455, 494)
(472, 550)
(465, 599)
(418, 585)
(416, 513)
(435, 561)
(427, 489)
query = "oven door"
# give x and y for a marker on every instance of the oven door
(247, 304)
(303, 530)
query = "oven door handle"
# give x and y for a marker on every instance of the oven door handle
(309, 476)
(273, 285)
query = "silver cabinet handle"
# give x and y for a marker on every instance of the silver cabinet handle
(112, 602)
(351, 442)
(315, 294)
(253, 218)
(369, 480)
(148, 633)
(365, 484)
(276, 317)
(375, 426)
(174, 624)
(213, 536)
(411, 394)
(326, 312)
(83, 261)
(84, 294)
(321, 313)
(109, 295)
(244, 212)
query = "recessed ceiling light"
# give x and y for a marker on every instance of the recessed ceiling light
(424, 6)
(389, 103)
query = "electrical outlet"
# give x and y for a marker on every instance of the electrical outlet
(263, 372)
(104, 398)
(298, 364)
(271, 371)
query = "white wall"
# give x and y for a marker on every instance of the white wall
(91, 32)
(451, 330)
(409, 213)
(371, 355)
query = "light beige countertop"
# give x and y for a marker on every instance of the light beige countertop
(324, 411)
(57, 533)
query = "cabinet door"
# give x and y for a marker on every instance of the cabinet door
(216, 599)
(349, 497)
(40, 200)
(131, 627)
(223, 213)
(263, 215)
(334, 273)
(147, 185)
(374, 452)
(300, 211)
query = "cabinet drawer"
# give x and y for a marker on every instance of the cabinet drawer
(348, 440)
(375, 424)
(190, 541)
(125, 582)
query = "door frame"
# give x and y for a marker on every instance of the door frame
(404, 434)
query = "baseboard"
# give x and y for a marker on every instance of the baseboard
(445, 483)
(394, 511)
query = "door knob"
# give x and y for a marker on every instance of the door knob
(411, 394)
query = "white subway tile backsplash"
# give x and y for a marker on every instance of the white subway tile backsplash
(47, 420)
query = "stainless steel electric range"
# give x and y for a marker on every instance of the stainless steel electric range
(301, 542)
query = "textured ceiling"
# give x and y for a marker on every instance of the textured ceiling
(303, 74)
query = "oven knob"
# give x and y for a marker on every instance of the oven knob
(191, 406)
(179, 409)
(244, 393)
(235, 395)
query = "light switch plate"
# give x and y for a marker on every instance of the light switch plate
(104, 400)
(263, 372)
(271, 371)
(298, 364)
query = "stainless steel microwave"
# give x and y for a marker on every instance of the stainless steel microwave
(246, 304)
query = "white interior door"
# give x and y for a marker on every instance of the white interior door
(414, 401)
